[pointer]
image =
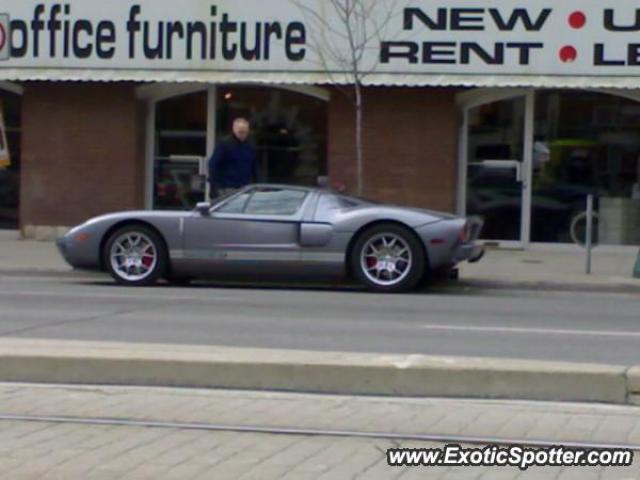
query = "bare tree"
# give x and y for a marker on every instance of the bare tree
(345, 37)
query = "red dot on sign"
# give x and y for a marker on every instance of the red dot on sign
(568, 54)
(577, 20)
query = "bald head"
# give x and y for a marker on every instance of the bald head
(241, 129)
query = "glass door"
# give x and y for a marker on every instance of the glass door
(496, 158)
(180, 152)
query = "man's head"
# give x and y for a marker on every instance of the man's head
(241, 129)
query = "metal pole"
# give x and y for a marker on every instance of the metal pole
(589, 239)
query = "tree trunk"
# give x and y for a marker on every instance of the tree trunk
(359, 146)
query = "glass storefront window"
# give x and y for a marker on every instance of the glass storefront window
(180, 139)
(10, 174)
(579, 143)
(586, 143)
(289, 130)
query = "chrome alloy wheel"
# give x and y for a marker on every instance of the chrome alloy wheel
(133, 256)
(386, 259)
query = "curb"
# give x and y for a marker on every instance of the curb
(462, 284)
(53, 361)
(481, 284)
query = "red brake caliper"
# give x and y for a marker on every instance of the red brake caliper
(147, 261)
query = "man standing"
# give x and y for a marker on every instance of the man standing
(233, 164)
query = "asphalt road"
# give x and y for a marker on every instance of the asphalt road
(584, 327)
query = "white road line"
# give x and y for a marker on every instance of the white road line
(539, 331)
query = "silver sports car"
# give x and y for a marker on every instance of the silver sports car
(276, 230)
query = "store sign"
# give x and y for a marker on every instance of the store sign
(305, 40)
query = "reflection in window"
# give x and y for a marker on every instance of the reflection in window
(586, 143)
(275, 202)
(496, 133)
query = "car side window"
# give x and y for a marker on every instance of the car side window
(275, 201)
(236, 204)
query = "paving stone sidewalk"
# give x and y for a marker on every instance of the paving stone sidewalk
(51, 450)
(509, 419)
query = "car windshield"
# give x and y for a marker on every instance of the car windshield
(236, 204)
(221, 199)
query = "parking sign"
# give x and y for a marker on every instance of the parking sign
(4, 36)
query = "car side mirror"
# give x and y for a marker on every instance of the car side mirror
(204, 209)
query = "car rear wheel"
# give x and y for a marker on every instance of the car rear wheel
(388, 258)
(135, 256)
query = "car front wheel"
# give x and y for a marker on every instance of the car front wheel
(135, 256)
(388, 258)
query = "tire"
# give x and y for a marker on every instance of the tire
(143, 248)
(398, 265)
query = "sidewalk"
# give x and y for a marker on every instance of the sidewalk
(533, 269)
(25, 256)
(560, 269)
(60, 447)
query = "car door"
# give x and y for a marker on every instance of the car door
(254, 231)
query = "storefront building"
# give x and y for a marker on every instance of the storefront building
(484, 108)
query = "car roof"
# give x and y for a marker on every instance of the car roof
(282, 185)
(319, 190)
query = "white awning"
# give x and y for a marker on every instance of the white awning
(212, 77)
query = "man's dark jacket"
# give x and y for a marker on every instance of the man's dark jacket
(233, 164)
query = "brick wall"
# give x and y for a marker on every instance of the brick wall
(82, 152)
(83, 149)
(410, 145)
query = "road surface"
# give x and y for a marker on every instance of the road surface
(546, 325)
